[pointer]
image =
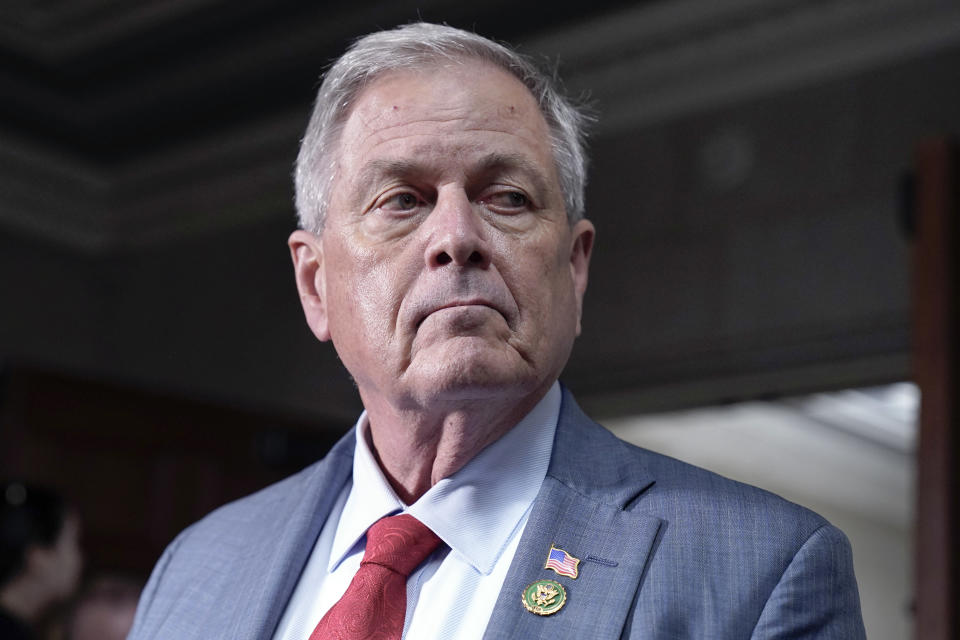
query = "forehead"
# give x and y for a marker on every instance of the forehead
(444, 114)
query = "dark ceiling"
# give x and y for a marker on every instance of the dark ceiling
(112, 80)
(745, 188)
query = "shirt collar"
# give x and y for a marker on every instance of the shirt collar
(477, 510)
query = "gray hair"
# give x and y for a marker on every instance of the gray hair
(415, 46)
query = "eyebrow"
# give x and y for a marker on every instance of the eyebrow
(376, 170)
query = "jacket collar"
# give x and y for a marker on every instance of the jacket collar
(582, 508)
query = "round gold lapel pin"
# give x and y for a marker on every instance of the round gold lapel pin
(544, 597)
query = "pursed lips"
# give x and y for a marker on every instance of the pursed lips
(473, 302)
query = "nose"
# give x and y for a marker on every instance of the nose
(455, 233)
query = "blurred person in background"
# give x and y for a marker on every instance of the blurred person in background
(104, 609)
(40, 556)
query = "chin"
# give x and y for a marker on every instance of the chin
(477, 378)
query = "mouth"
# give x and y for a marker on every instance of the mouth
(453, 305)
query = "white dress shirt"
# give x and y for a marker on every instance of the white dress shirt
(479, 512)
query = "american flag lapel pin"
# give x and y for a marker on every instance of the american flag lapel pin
(562, 562)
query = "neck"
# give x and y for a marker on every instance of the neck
(416, 448)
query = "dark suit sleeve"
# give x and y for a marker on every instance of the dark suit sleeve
(817, 595)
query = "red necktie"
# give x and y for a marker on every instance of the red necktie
(375, 604)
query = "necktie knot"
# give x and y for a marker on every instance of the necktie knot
(399, 543)
(375, 603)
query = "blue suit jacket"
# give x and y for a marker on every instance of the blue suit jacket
(667, 550)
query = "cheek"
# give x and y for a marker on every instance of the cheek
(368, 294)
(363, 308)
(545, 296)
(560, 303)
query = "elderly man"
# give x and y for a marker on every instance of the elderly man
(444, 252)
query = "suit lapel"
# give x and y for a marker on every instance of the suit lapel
(580, 508)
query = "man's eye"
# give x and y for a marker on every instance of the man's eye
(517, 199)
(508, 199)
(401, 202)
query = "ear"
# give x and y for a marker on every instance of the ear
(582, 234)
(306, 250)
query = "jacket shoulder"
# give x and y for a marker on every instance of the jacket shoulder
(243, 555)
(590, 458)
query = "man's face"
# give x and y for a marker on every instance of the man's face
(446, 269)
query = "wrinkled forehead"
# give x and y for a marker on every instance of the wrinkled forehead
(443, 78)
(448, 110)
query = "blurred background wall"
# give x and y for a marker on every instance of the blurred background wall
(752, 249)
